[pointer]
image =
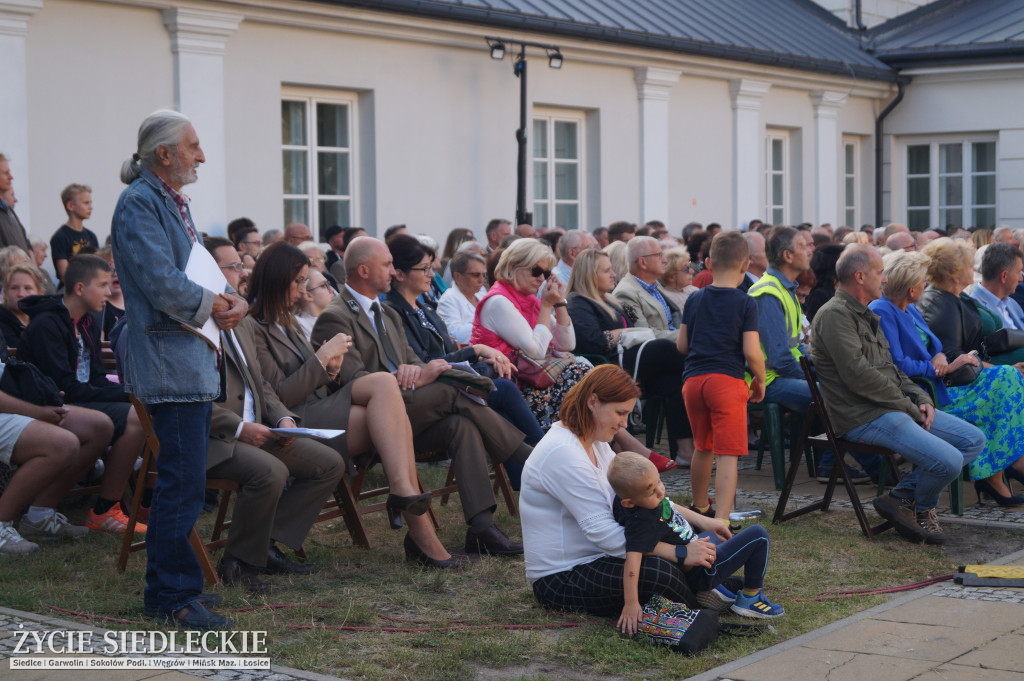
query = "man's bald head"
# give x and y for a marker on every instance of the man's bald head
(360, 251)
(901, 241)
(296, 232)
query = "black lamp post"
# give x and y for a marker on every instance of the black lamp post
(497, 46)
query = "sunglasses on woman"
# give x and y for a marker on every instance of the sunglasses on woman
(537, 271)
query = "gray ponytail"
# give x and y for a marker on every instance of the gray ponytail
(160, 128)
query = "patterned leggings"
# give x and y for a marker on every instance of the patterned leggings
(596, 587)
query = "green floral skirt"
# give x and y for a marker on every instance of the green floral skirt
(994, 403)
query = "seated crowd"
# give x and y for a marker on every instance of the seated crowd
(485, 353)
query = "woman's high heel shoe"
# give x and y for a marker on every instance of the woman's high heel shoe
(396, 505)
(984, 486)
(414, 554)
(1014, 474)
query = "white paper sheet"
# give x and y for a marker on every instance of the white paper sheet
(319, 433)
(203, 270)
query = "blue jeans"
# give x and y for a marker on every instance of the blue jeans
(173, 576)
(794, 395)
(747, 549)
(938, 454)
(508, 401)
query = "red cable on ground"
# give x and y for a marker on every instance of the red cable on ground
(871, 592)
(394, 630)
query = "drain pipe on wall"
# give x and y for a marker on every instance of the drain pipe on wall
(901, 84)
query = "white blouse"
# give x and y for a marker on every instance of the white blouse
(565, 506)
(457, 313)
(502, 317)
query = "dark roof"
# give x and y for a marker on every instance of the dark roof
(952, 32)
(795, 34)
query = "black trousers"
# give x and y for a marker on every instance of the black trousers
(661, 375)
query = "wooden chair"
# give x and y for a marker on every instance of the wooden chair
(841, 448)
(499, 477)
(147, 478)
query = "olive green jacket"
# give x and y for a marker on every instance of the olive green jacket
(858, 379)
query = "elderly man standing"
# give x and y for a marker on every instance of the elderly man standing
(169, 367)
(870, 400)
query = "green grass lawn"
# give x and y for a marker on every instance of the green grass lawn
(465, 610)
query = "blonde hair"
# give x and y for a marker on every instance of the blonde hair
(583, 280)
(982, 237)
(678, 258)
(25, 268)
(10, 256)
(523, 253)
(903, 269)
(948, 258)
(626, 473)
(616, 252)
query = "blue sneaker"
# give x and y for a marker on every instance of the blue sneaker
(757, 606)
(719, 598)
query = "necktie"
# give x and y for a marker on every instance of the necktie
(389, 349)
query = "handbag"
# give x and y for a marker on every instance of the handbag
(965, 375)
(677, 626)
(26, 382)
(534, 374)
(1002, 341)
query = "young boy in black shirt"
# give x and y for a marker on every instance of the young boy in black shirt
(73, 236)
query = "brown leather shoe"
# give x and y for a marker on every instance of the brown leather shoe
(233, 571)
(493, 541)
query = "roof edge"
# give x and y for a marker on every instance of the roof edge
(499, 19)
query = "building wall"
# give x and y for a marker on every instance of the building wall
(435, 116)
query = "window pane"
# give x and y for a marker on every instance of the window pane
(540, 138)
(777, 191)
(919, 220)
(951, 158)
(918, 192)
(983, 189)
(984, 157)
(567, 215)
(849, 159)
(850, 200)
(332, 171)
(851, 218)
(918, 161)
(540, 215)
(776, 154)
(334, 213)
(540, 180)
(565, 140)
(777, 216)
(296, 210)
(951, 191)
(293, 122)
(951, 217)
(294, 171)
(332, 125)
(566, 181)
(984, 217)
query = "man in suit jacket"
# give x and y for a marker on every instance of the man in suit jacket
(442, 418)
(638, 291)
(244, 449)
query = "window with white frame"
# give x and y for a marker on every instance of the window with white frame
(850, 175)
(951, 184)
(317, 156)
(557, 171)
(776, 176)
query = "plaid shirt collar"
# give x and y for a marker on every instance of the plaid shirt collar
(181, 201)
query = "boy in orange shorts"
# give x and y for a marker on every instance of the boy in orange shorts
(719, 331)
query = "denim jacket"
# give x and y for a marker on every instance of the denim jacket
(165, 362)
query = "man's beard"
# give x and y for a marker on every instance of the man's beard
(183, 175)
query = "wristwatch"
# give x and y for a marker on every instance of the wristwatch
(560, 303)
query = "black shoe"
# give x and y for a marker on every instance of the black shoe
(984, 486)
(195, 617)
(207, 600)
(234, 572)
(277, 564)
(414, 554)
(1014, 474)
(493, 541)
(902, 514)
(417, 504)
(856, 475)
(710, 513)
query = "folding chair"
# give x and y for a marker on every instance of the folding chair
(499, 477)
(841, 448)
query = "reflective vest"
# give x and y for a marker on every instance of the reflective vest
(770, 285)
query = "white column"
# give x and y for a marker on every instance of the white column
(14, 18)
(747, 141)
(199, 41)
(653, 90)
(826, 156)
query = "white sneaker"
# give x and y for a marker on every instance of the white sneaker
(12, 543)
(55, 526)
